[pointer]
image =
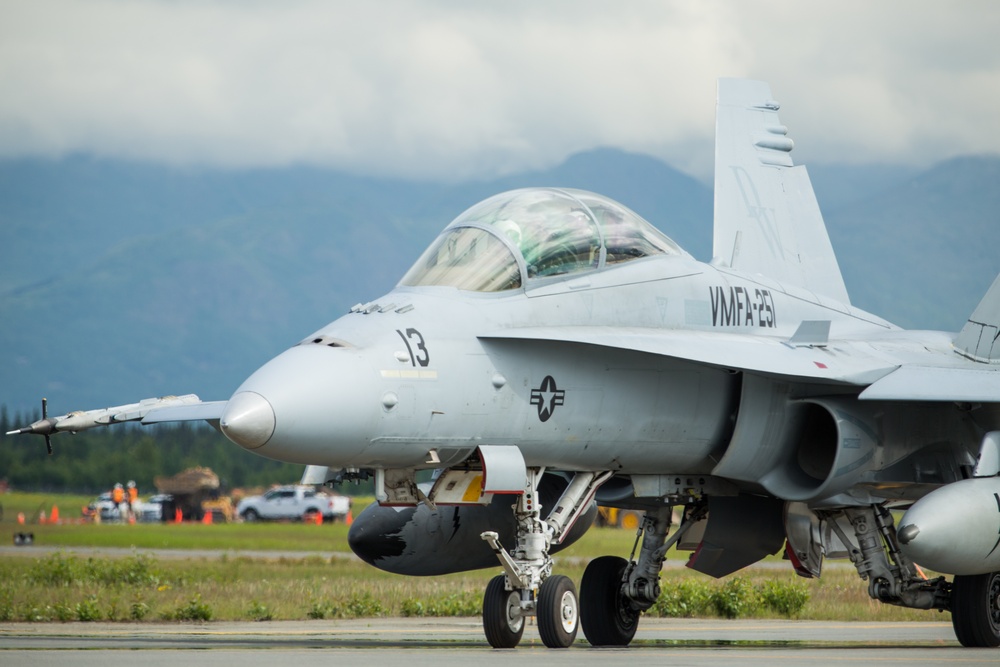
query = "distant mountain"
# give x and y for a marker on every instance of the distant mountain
(121, 281)
(841, 185)
(922, 252)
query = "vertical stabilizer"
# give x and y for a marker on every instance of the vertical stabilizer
(766, 216)
(979, 339)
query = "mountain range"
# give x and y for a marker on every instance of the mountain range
(120, 281)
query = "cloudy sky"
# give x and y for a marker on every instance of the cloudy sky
(451, 90)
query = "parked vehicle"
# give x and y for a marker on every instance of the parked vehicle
(293, 503)
(152, 509)
(104, 507)
(619, 518)
(195, 492)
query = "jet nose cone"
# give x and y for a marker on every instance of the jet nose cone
(248, 420)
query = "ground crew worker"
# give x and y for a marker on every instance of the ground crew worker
(118, 497)
(133, 497)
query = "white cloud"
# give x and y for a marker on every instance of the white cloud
(451, 90)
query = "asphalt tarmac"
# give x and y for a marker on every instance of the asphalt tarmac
(432, 642)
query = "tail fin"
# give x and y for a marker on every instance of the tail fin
(766, 216)
(978, 339)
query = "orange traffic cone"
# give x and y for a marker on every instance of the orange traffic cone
(207, 519)
(319, 518)
(350, 518)
(54, 517)
(20, 518)
(41, 517)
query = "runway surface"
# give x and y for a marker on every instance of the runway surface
(432, 642)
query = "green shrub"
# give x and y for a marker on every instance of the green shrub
(61, 570)
(88, 610)
(736, 598)
(363, 606)
(786, 599)
(33, 614)
(683, 599)
(411, 607)
(194, 610)
(138, 610)
(63, 613)
(318, 610)
(466, 603)
(54, 570)
(136, 570)
(259, 612)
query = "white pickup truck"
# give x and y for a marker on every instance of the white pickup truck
(293, 503)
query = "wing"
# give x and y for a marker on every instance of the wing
(971, 375)
(766, 217)
(887, 371)
(937, 383)
(838, 362)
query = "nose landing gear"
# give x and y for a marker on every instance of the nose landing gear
(527, 587)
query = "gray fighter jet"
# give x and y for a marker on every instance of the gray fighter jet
(552, 349)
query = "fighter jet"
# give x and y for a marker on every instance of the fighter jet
(552, 349)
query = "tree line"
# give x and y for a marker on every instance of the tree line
(91, 462)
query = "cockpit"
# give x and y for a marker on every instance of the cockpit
(521, 236)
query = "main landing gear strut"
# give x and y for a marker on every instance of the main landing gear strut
(974, 600)
(616, 591)
(528, 587)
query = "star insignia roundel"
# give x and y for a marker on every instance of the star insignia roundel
(547, 397)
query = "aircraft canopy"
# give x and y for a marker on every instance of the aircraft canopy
(531, 234)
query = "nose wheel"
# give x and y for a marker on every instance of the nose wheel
(503, 623)
(556, 609)
(558, 612)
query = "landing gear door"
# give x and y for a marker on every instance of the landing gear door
(501, 470)
(504, 470)
(805, 540)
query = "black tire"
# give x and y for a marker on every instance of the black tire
(607, 617)
(250, 515)
(558, 612)
(975, 609)
(503, 628)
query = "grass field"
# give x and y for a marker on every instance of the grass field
(63, 586)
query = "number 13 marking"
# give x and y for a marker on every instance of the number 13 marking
(423, 357)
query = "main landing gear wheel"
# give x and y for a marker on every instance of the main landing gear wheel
(975, 609)
(608, 617)
(502, 620)
(558, 612)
